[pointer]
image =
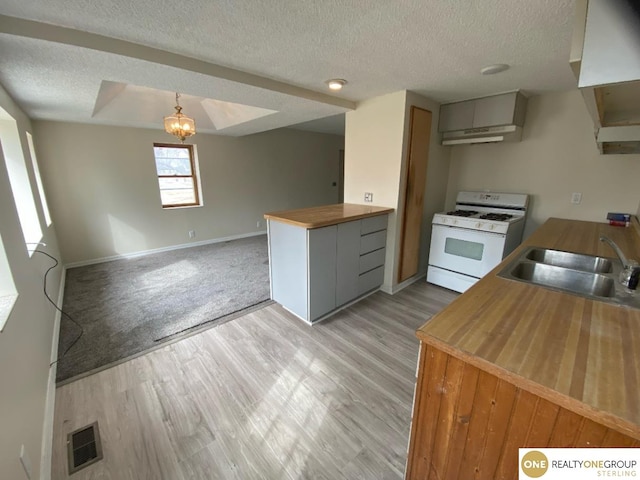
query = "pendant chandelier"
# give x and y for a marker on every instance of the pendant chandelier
(179, 124)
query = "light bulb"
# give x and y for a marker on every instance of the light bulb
(336, 84)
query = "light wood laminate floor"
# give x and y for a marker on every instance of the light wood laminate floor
(264, 396)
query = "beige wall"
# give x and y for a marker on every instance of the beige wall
(25, 342)
(557, 156)
(372, 161)
(104, 195)
(376, 141)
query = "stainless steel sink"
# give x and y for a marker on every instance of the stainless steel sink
(576, 261)
(576, 281)
(588, 276)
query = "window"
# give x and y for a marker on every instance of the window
(19, 180)
(177, 171)
(36, 171)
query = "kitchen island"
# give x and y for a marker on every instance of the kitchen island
(510, 364)
(324, 258)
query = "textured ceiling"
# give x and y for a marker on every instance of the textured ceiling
(433, 47)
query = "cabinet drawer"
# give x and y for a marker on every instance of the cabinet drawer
(373, 224)
(370, 280)
(372, 260)
(373, 241)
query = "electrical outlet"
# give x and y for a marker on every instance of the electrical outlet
(25, 461)
(258, 224)
(576, 198)
(368, 197)
(192, 234)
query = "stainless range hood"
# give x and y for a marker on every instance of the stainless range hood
(605, 57)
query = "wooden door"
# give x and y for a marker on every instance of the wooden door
(341, 177)
(418, 158)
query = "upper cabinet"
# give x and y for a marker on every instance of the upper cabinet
(605, 58)
(611, 46)
(498, 118)
(456, 116)
(507, 109)
(497, 110)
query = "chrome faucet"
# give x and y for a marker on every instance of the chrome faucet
(631, 269)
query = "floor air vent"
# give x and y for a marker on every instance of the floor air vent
(84, 447)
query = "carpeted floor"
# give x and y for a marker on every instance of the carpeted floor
(131, 305)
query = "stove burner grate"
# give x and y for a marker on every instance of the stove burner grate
(500, 217)
(462, 213)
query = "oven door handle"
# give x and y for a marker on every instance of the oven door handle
(456, 227)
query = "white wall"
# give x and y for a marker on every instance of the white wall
(557, 156)
(25, 342)
(376, 142)
(104, 197)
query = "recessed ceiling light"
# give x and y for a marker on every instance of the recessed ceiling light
(492, 69)
(336, 83)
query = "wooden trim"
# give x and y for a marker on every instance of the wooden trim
(416, 176)
(172, 145)
(193, 176)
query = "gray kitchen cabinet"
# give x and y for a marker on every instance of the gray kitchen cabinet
(348, 265)
(456, 116)
(314, 271)
(288, 251)
(497, 110)
(493, 111)
(322, 270)
(505, 109)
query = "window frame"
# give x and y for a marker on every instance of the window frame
(194, 174)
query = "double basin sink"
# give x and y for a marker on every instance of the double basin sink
(584, 275)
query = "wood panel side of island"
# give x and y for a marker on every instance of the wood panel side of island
(468, 423)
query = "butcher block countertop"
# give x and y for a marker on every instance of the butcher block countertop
(325, 215)
(581, 354)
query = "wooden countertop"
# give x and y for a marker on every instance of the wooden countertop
(581, 354)
(325, 215)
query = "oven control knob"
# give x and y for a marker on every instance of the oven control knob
(491, 226)
(478, 225)
(455, 222)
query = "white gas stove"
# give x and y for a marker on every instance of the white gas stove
(471, 240)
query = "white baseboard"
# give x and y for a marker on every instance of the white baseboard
(396, 288)
(163, 249)
(49, 409)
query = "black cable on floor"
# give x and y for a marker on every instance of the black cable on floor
(58, 308)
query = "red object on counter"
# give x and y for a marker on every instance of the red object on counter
(618, 223)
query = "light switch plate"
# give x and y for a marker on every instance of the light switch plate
(368, 197)
(576, 198)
